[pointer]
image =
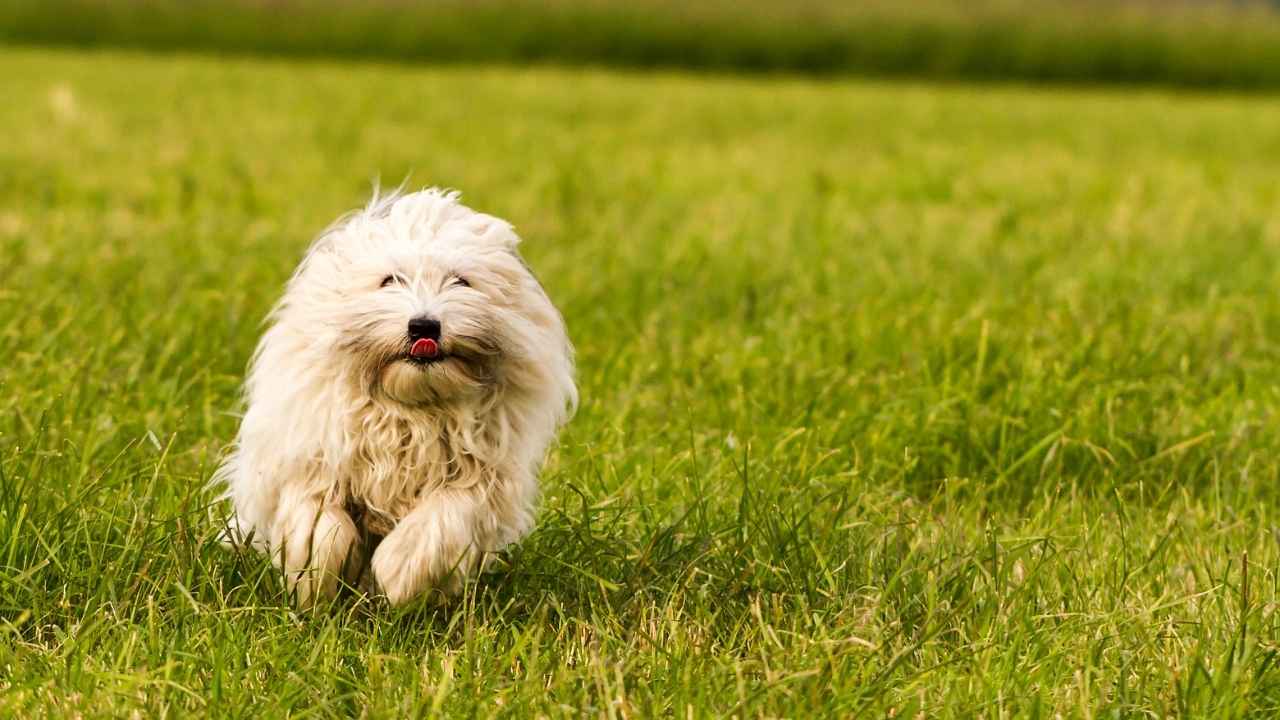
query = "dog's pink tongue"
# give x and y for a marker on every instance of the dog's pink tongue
(424, 348)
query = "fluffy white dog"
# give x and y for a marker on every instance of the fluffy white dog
(400, 403)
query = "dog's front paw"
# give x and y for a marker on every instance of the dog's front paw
(317, 547)
(426, 553)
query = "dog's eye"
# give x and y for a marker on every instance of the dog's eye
(391, 280)
(460, 281)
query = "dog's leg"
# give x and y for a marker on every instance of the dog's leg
(316, 545)
(433, 548)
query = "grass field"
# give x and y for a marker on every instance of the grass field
(897, 399)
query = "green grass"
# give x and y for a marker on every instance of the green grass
(897, 399)
(1204, 43)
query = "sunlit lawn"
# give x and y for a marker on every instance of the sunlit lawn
(933, 401)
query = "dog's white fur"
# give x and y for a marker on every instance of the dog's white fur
(345, 440)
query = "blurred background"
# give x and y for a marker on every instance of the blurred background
(1221, 43)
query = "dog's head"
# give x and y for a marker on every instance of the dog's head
(425, 301)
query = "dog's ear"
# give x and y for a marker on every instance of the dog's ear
(493, 232)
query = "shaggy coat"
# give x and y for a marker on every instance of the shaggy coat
(355, 461)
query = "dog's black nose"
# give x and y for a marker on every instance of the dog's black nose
(424, 327)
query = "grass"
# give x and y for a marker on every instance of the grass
(897, 399)
(1205, 43)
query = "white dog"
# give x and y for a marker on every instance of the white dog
(400, 403)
